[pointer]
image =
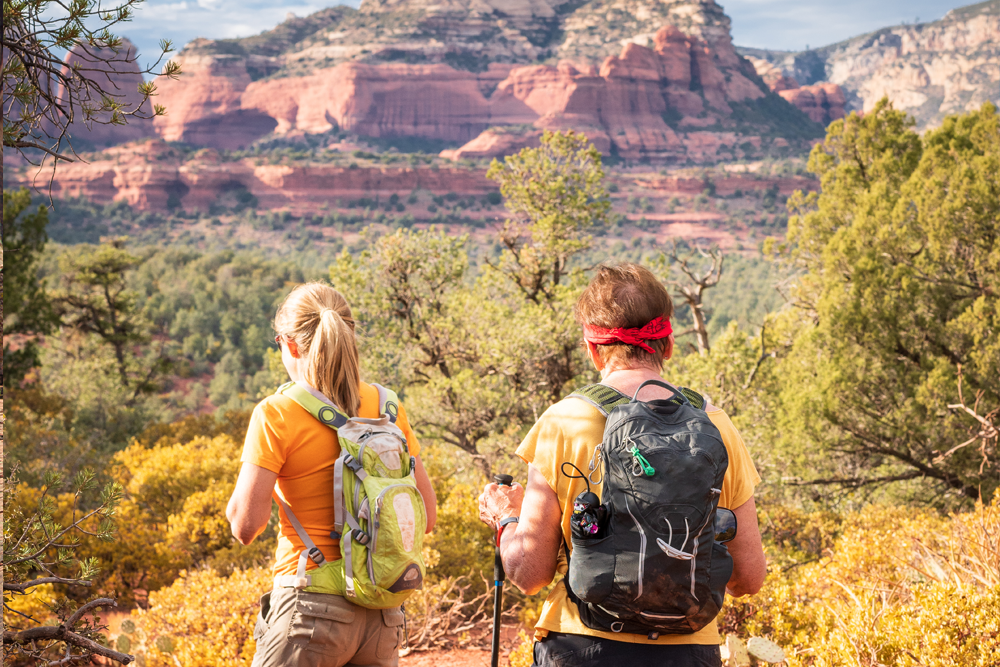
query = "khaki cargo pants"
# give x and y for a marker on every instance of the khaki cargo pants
(297, 629)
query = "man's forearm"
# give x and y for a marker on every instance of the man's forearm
(528, 574)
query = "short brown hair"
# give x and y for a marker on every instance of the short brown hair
(626, 296)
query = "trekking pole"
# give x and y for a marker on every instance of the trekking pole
(498, 578)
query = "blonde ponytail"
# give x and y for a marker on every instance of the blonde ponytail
(318, 319)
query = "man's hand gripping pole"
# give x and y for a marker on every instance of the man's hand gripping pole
(498, 578)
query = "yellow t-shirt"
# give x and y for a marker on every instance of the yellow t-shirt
(284, 438)
(570, 430)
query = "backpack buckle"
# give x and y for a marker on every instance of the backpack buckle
(361, 537)
(353, 463)
(316, 556)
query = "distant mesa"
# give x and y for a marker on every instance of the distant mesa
(646, 80)
(823, 102)
(118, 75)
(468, 73)
(152, 175)
(929, 70)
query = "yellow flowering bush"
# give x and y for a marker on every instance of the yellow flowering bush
(37, 604)
(886, 587)
(174, 511)
(523, 654)
(203, 619)
(897, 587)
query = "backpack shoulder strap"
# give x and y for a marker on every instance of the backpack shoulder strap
(601, 396)
(697, 400)
(315, 403)
(388, 402)
(606, 399)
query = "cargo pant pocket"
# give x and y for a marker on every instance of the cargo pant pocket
(260, 627)
(389, 633)
(323, 624)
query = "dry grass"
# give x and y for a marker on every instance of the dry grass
(451, 614)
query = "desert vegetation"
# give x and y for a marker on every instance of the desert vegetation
(859, 356)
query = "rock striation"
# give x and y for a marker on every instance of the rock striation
(823, 102)
(658, 97)
(643, 104)
(450, 71)
(929, 69)
(152, 175)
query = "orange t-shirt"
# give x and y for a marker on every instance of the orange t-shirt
(284, 438)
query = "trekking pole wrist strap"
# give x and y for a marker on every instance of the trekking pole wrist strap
(503, 524)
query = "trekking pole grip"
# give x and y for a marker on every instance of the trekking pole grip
(498, 578)
(498, 574)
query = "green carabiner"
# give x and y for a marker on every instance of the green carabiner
(646, 468)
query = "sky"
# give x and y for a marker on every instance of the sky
(774, 24)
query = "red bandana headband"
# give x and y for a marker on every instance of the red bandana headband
(656, 329)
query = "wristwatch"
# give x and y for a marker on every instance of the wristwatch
(503, 523)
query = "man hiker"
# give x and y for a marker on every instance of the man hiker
(647, 563)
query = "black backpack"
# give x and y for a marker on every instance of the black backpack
(654, 566)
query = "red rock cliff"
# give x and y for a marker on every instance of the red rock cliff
(117, 74)
(625, 106)
(823, 102)
(641, 104)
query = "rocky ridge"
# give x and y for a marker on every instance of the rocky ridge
(449, 71)
(152, 175)
(928, 69)
(822, 102)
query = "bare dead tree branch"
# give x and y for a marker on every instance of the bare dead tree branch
(699, 279)
(854, 482)
(764, 354)
(23, 588)
(64, 633)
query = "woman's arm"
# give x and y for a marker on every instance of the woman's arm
(749, 562)
(530, 547)
(427, 491)
(250, 506)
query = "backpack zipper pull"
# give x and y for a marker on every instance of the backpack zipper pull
(637, 457)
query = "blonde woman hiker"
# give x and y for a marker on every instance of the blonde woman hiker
(640, 492)
(339, 457)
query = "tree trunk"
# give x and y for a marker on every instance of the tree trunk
(700, 327)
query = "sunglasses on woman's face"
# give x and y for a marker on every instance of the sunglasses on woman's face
(277, 340)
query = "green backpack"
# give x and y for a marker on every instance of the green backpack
(379, 514)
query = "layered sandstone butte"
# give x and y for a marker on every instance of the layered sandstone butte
(642, 104)
(655, 99)
(929, 70)
(117, 74)
(823, 102)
